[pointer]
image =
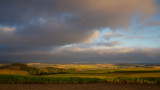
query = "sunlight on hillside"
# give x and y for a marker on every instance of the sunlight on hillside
(14, 72)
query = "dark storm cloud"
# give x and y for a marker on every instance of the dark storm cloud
(57, 22)
(39, 25)
(90, 55)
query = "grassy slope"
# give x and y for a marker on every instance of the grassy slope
(13, 72)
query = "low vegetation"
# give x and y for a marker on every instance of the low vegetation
(16, 79)
(100, 73)
(13, 72)
(37, 71)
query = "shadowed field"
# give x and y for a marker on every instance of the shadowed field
(99, 86)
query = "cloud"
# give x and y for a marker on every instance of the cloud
(94, 35)
(137, 37)
(93, 54)
(39, 25)
(109, 44)
(153, 23)
(110, 35)
(7, 29)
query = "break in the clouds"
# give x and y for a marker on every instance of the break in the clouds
(29, 28)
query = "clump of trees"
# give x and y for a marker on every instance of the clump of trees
(38, 71)
(50, 71)
(16, 66)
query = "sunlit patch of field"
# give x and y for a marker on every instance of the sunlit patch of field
(107, 75)
(78, 75)
(76, 66)
(94, 66)
(104, 70)
(14, 72)
(137, 69)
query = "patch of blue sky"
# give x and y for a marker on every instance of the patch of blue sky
(105, 30)
(157, 18)
(151, 32)
(149, 37)
(100, 38)
(141, 40)
(141, 43)
(145, 39)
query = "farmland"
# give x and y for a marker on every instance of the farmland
(93, 86)
(39, 73)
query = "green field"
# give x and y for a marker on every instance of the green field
(79, 73)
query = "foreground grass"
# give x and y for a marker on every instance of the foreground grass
(17, 79)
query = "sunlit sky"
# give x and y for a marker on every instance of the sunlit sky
(84, 31)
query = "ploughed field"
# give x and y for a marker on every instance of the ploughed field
(93, 86)
(79, 74)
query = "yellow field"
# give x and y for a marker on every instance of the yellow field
(93, 70)
(108, 75)
(77, 66)
(14, 72)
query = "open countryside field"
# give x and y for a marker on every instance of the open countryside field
(40, 73)
(13, 72)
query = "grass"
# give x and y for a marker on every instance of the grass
(14, 72)
(108, 75)
(17, 79)
(86, 73)
(141, 80)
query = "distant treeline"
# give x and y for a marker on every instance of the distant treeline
(38, 71)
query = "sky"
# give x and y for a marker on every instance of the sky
(80, 31)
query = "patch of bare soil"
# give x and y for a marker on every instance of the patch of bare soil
(99, 86)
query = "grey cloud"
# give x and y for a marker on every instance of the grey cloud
(155, 23)
(137, 37)
(109, 44)
(43, 24)
(90, 55)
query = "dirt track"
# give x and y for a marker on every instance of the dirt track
(103, 86)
